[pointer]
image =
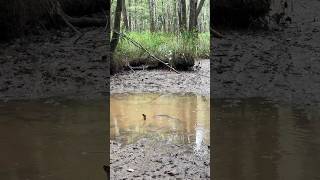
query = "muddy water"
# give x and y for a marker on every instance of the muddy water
(177, 118)
(52, 140)
(257, 139)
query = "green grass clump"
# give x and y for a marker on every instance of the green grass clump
(162, 45)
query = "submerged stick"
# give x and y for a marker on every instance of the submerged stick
(151, 55)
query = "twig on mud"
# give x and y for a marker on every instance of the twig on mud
(78, 38)
(128, 64)
(151, 55)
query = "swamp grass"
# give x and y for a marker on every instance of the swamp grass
(163, 45)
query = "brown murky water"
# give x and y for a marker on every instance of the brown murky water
(172, 117)
(52, 140)
(257, 139)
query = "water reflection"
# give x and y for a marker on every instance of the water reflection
(256, 139)
(172, 117)
(44, 140)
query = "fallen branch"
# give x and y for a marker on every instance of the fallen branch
(78, 38)
(151, 55)
(216, 34)
(128, 64)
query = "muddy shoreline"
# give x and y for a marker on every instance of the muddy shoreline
(144, 159)
(164, 81)
(54, 64)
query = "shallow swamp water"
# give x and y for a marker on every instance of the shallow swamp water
(258, 139)
(52, 139)
(178, 118)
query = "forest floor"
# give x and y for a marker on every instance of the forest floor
(51, 64)
(281, 64)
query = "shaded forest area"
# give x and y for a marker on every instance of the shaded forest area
(146, 32)
(22, 17)
(238, 13)
(53, 48)
(165, 16)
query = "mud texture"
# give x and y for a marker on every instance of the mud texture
(54, 64)
(145, 160)
(282, 64)
(164, 81)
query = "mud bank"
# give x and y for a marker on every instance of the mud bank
(53, 64)
(164, 81)
(282, 64)
(145, 160)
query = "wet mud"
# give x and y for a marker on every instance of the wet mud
(146, 160)
(164, 81)
(55, 63)
(282, 63)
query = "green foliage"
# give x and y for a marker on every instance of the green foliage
(163, 45)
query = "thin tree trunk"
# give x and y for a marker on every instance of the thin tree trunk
(183, 15)
(163, 18)
(199, 7)
(108, 25)
(124, 15)
(135, 16)
(192, 16)
(167, 17)
(180, 15)
(151, 11)
(116, 26)
(175, 23)
(129, 16)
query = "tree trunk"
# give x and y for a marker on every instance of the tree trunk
(192, 16)
(108, 27)
(155, 16)
(183, 14)
(129, 16)
(163, 18)
(199, 7)
(135, 16)
(124, 15)
(108, 24)
(151, 11)
(116, 26)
